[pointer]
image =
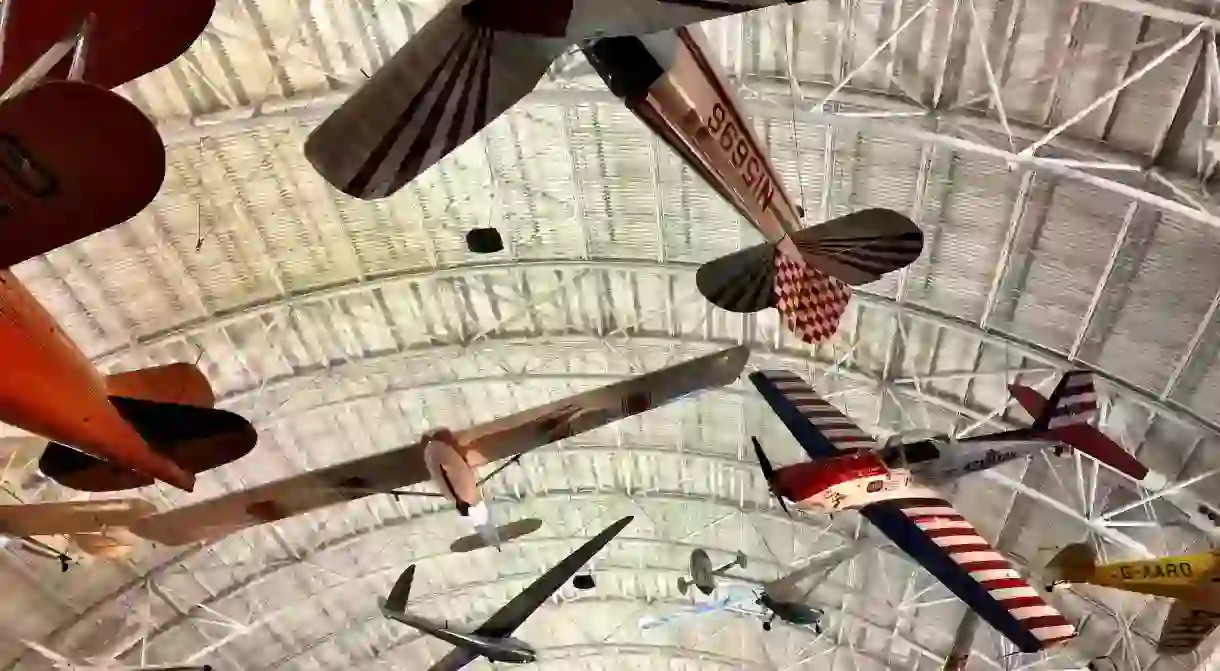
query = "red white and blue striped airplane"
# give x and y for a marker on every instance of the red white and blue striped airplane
(895, 488)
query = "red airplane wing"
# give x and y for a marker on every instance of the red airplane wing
(75, 159)
(128, 38)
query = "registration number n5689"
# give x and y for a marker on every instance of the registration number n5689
(735, 142)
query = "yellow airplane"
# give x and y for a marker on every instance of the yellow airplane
(1192, 580)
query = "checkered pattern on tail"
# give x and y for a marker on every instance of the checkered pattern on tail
(832, 424)
(953, 534)
(811, 302)
(1074, 401)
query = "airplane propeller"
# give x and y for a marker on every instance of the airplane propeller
(769, 474)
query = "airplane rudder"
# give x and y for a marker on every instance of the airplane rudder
(401, 591)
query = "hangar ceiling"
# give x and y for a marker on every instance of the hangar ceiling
(1057, 153)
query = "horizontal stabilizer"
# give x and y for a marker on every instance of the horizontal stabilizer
(860, 247)
(197, 439)
(743, 281)
(181, 383)
(810, 302)
(504, 532)
(442, 87)
(71, 517)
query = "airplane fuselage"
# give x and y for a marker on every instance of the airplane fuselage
(896, 472)
(667, 80)
(1187, 577)
(938, 460)
(51, 389)
(451, 474)
(505, 649)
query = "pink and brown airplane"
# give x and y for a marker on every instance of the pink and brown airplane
(477, 58)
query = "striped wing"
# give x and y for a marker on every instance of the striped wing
(441, 88)
(936, 536)
(817, 425)
(862, 246)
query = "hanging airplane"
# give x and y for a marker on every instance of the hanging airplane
(1192, 581)
(493, 639)
(447, 459)
(60, 181)
(475, 59)
(703, 574)
(894, 489)
(1077, 395)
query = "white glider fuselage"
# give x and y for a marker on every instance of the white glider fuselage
(456, 480)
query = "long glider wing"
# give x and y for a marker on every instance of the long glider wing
(498, 439)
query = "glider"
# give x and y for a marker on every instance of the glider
(474, 60)
(1190, 580)
(493, 639)
(445, 458)
(894, 488)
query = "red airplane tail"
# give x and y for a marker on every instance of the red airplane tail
(1067, 417)
(170, 407)
(807, 276)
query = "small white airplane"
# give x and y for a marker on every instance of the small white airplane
(703, 574)
(493, 639)
(447, 459)
(895, 488)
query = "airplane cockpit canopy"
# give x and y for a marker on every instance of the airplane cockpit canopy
(897, 456)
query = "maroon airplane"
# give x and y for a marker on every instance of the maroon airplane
(476, 59)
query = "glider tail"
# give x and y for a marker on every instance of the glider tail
(1071, 564)
(807, 277)
(396, 602)
(1067, 417)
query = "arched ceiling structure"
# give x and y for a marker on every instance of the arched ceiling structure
(1057, 154)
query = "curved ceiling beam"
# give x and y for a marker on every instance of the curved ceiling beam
(1148, 398)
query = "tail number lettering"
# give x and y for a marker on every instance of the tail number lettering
(735, 143)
